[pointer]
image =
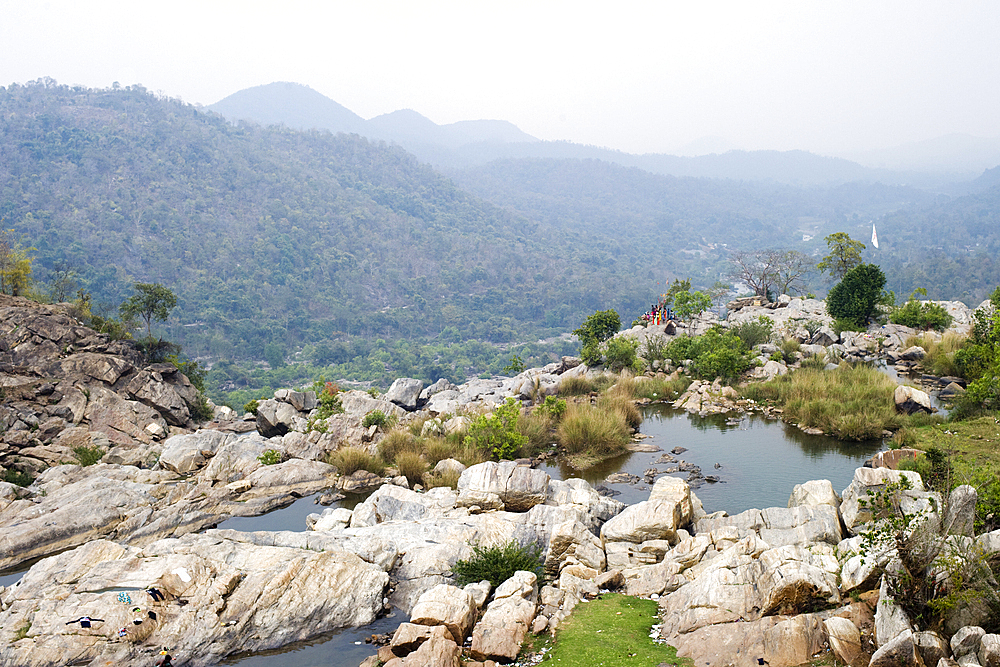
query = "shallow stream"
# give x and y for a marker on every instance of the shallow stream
(761, 460)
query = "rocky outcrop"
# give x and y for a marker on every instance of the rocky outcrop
(236, 597)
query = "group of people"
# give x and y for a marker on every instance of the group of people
(139, 616)
(658, 313)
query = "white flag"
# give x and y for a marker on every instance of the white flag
(874, 236)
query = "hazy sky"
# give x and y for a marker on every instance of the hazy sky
(640, 77)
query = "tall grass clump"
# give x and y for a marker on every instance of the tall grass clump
(536, 427)
(576, 386)
(662, 389)
(622, 405)
(396, 442)
(851, 402)
(940, 357)
(596, 433)
(349, 460)
(411, 465)
(447, 478)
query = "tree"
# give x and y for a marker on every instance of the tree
(719, 293)
(151, 301)
(856, 297)
(790, 269)
(689, 304)
(596, 329)
(845, 254)
(757, 269)
(15, 264)
(675, 288)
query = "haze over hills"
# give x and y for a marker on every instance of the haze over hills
(471, 143)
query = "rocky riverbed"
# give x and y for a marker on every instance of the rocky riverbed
(129, 540)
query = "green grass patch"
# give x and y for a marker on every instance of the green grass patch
(612, 630)
(587, 432)
(851, 402)
(88, 456)
(661, 389)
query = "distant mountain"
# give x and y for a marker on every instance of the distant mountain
(961, 154)
(290, 104)
(471, 143)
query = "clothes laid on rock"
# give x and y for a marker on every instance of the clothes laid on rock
(85, 621)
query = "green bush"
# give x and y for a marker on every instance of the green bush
(716, 353)
(252, 406)
(554, 407)
(201, 411)
(329, 400)
(497, 433)
(88, 456)
(857, 296)
(599, 327)
(374, 418)
(271, 457)
(620, 353)
(915, 315)
(497, 564)
(754, 332)
(17, 477)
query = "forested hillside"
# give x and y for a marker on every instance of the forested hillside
(275, 236)
(354, 259)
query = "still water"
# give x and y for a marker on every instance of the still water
(760, 461)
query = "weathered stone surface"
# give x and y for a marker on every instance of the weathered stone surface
(675, 490)
(931, 646)
(262, 597)
(435, 652)
(498, 635)
(989, 651)
(890, 619)
(961, 510)
(357, 404)
(404, 392)
(910, 400)
(966, 640)
(449, 606)
(185, 453)
(870, 478)
(779, 526)
(778, 641)
(900, 651)
(812, 493)
(519, 488)
(647, 520)
(845, 639)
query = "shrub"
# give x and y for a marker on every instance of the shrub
(918, 315)
(349, 460)
(271, 457)
(814, 362)
(411, 466)
(252, 406)
(716, 353)
(599, 327)
(585, 428)
(497, 433)
(940, 357)
(754, 332)
(789, 348)
(841, 325)
(375, 418)
(653, 348)
(497, 564)
(620, 352)
(88, 456)
(554, 407)
(17, 477)
(856, 297)
(201, 411)
(329, 401)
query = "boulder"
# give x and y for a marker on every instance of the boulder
(519, 488)
(913, 353)
(647, 520)
(845, 639)
(258, 597)
(675, 490)
(779, 526)
(866, 479)
(931, 647)
(186, 453)
(500, 632)
(275, 418)
(449, 606)
(966, 640)
(890, 619)
(404, 392)
(900, 651)
(961, 510)
(910, 400)
(813, 493)
(989, 651)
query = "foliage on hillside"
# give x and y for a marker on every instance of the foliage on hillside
(273, 237)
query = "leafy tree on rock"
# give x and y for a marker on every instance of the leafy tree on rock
(596, 329)
(15, 264)
(857, 296)
(151, 301)
(689, 304)
(845, 254)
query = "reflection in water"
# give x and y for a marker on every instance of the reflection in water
(760, 460)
